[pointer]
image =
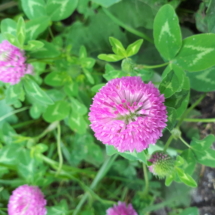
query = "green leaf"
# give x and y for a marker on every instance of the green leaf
(197, 53)
(20, 30)
(169, 179)
(56, 79)
(206, 157)
(56, 94)
(210, 17)
(34, 8)
(141, 156)
(36, 111)
(8, 26)
(110, 57)
(12, 39)
(179, 161)
(203, 153)
(14, 92)
(57, 111)
(203, 81)
(96, 40)
(97, 87)
(71, 89)
(201, 145)
(47, 51)
(191, 160)
(190, 211)
(7, 155)
(173, 80)
(60, 209)
(113, 74)
(27, 166)
(144, 14)
(180, 109)
(185, 178)
(176, 100)
(33, 45)
(89, 76)
(111, 150)
(78, 107)
(167, 33)
(60, 9)
(134, 156)
(133, 48)
(87, 62)
(35, 92)
(77, 123)
(105, 3)
(172, 116)
(169, 84)
(82, 52)
(36, 26)
(7, 109)
(117, 47)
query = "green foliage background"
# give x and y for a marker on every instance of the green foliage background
(75, 47)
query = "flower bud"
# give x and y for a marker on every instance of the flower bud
(162, 164)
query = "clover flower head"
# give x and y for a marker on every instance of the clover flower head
(27, 200)
(128, 114)
(121, 209)
(162, 164)
(12, 63)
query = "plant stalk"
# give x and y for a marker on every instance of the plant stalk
(101, 173)
(126, 27)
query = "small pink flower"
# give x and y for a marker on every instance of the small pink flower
(121, 209)
(12, 63)
(27, 200)
(128, 114)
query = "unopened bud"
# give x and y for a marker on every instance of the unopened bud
(162, 164)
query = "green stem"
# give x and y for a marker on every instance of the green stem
(51, 127)
(22, 124)
(168, 142)
(51, 33)
(44, 59)
(13, 112)
(59, 149)
(8, 5)
(190, 109)
(183, 141)
(101, 173)
(146, 188)
(150, 67)
(199, 120)
(126, 27)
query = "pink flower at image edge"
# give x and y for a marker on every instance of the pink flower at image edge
(12, 63)
(27, 200)
(121, 209)
(128, 114)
